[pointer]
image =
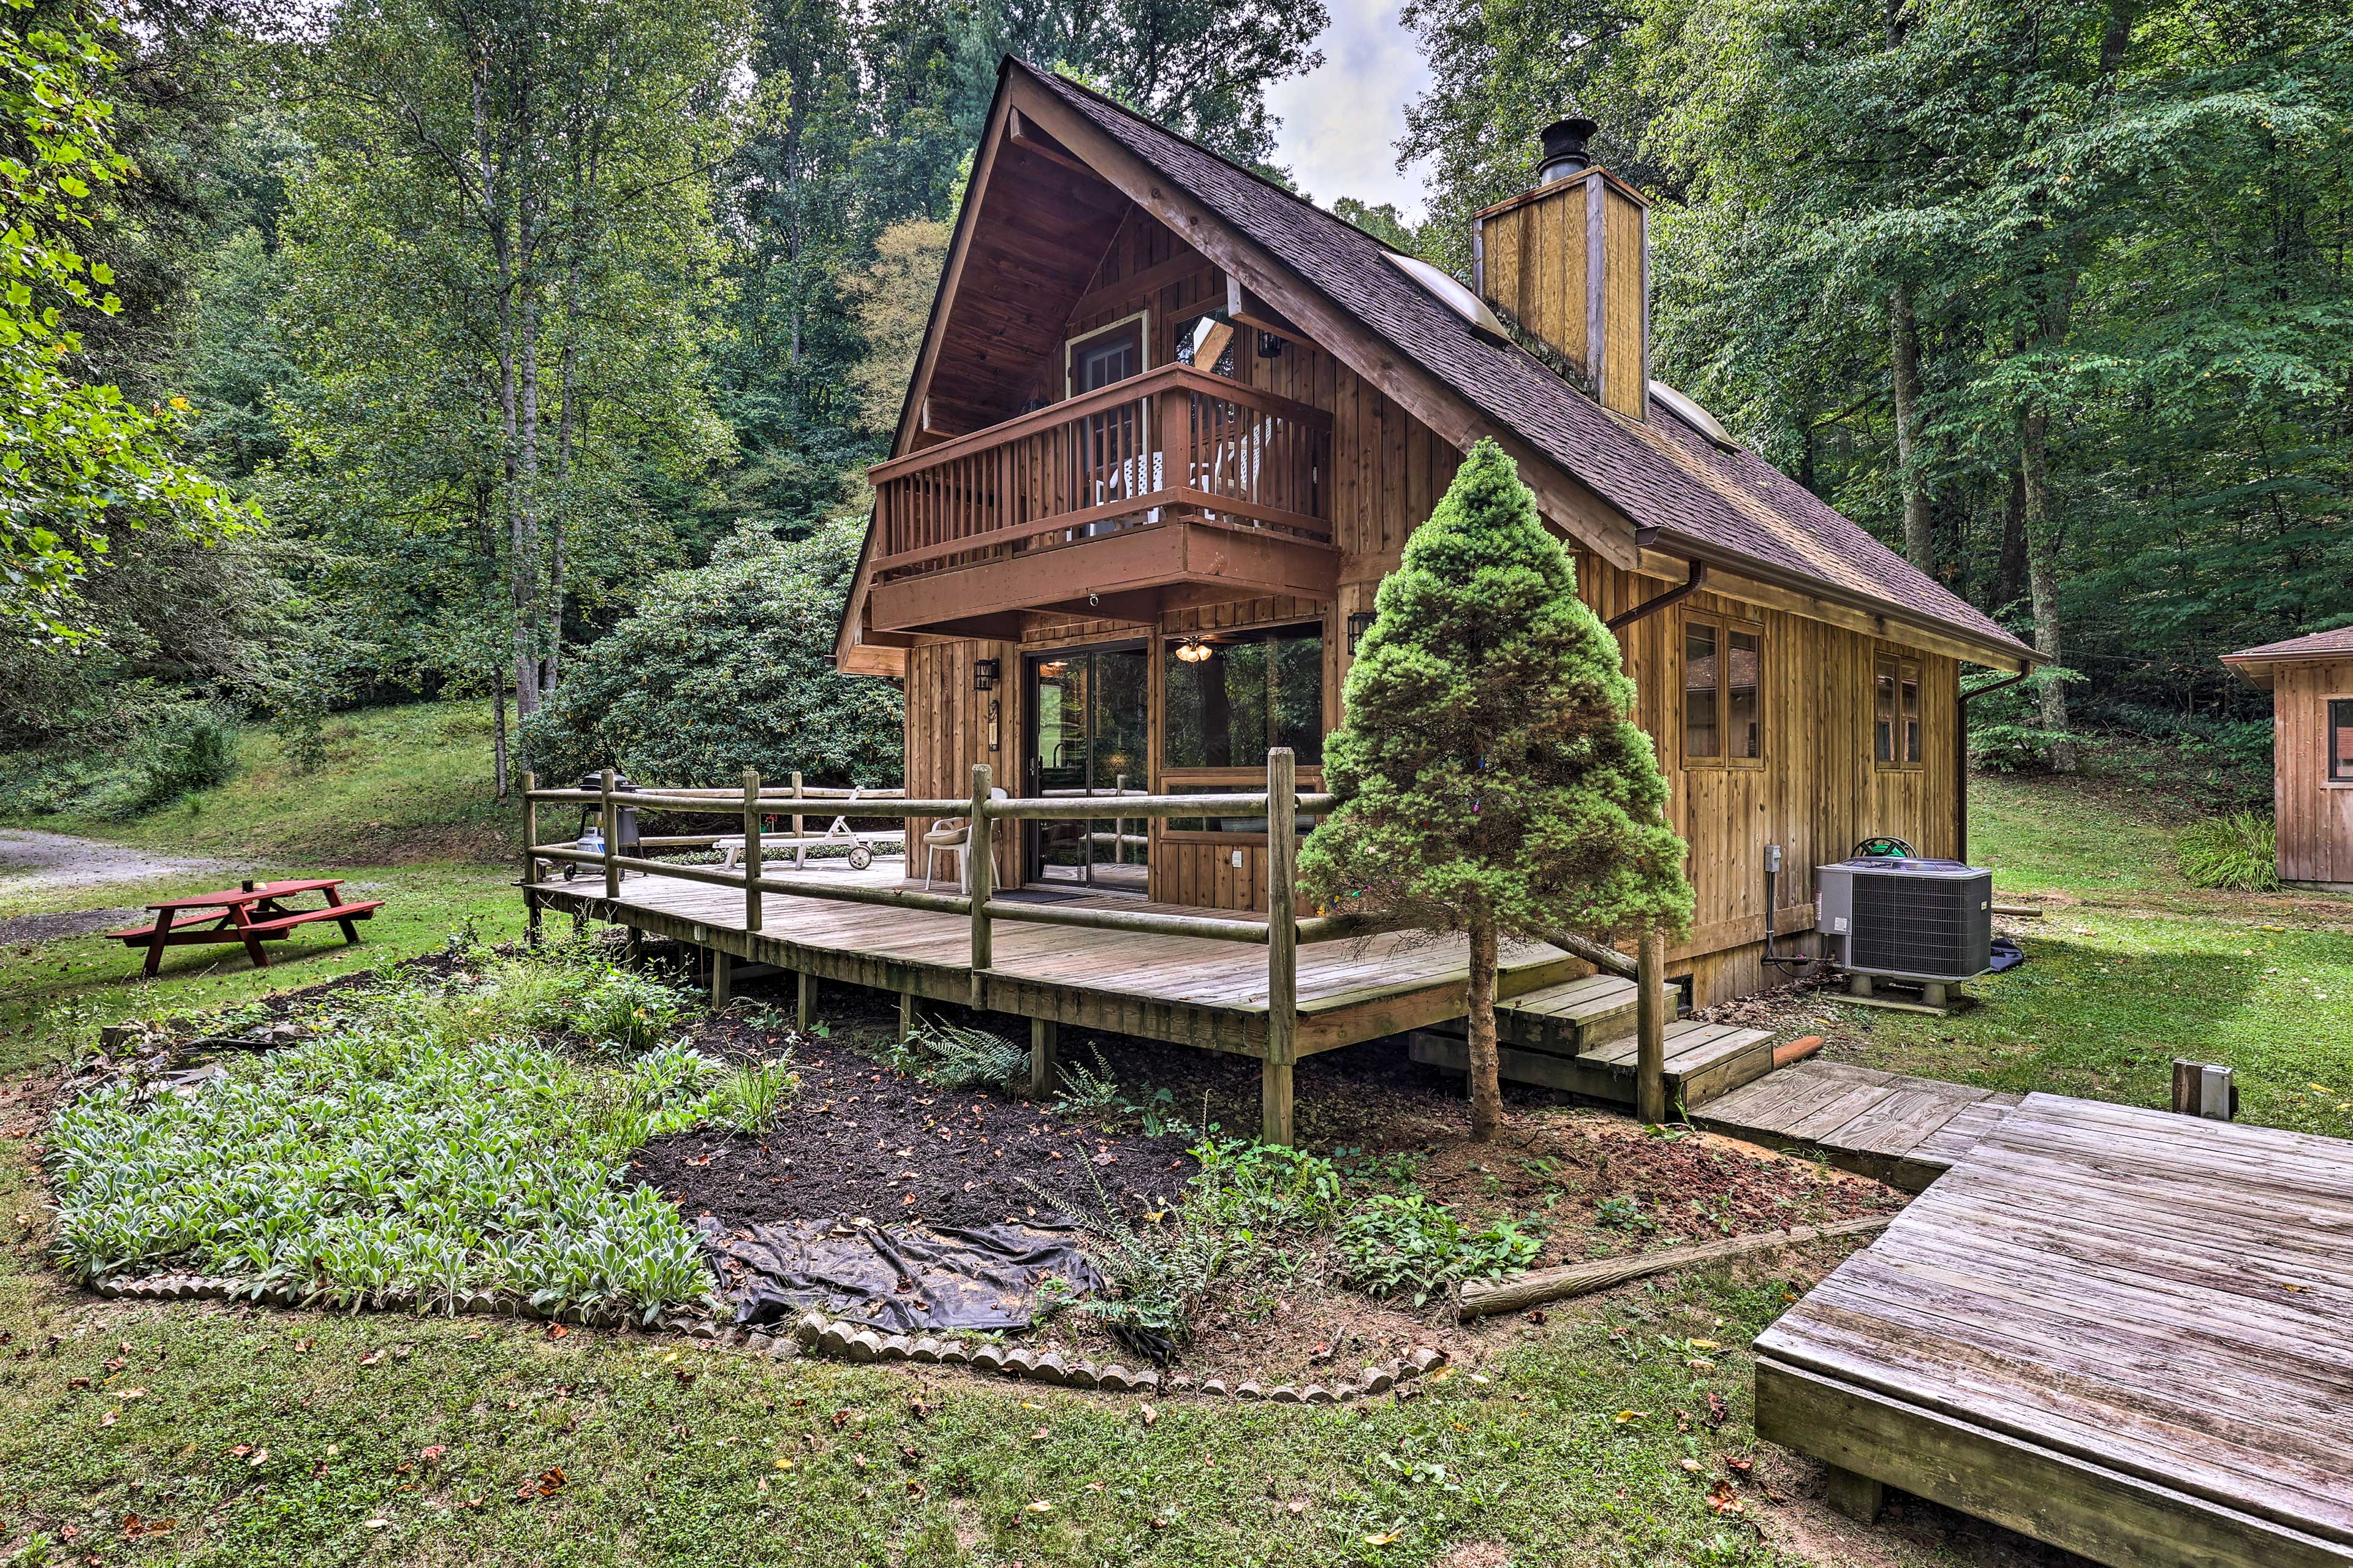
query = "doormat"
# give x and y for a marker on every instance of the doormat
(1035, 896)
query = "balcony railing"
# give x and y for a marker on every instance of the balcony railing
(1172, 443)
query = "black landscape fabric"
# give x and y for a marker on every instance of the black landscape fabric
(904, 1278)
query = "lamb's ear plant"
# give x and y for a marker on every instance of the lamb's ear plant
(421, 1146)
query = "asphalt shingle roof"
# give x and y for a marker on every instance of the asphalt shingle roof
(2316, 645)
(1664, 474)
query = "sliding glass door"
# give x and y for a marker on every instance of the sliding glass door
(1088, 733)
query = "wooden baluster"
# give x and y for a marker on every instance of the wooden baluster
(612, 821)
(529, 862)
(980, 878)
(1281, 946)
(751, 850)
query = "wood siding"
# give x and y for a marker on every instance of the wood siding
(2315, 816)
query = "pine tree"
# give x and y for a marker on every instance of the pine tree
(1492, 778)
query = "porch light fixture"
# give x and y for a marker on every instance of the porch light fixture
(1193, 650)
(1358, 625)
(984, 675)
(1269, 346)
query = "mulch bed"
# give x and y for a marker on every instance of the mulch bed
(861, 1141)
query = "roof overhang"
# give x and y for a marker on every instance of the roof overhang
(2260, 669)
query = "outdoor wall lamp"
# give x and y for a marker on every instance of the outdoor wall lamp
(1358, 625)
(984, 675)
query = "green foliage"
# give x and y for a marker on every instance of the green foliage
(756, 1095)
(2240, 851)
(1394, 1243)
(2013, 748)
(957, 1057)
(76, 457)
(1624, 1212)
(1252, 1187)
(411, 1148)
(1490, 769)
(726, 667)
(161, 751)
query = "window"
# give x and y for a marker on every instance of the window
(1230, 697)
(2341, 740)
(1111, 355)
(1723, 707)
(1895, 711)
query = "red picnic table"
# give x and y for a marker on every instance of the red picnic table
(252, 914)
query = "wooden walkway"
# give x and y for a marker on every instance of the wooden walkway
(2121, 1332)
(1191, 990)
(1905, 1131)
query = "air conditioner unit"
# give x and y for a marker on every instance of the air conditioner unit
(1906, 919)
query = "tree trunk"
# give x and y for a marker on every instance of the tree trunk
(499, 738)
(2043, 571)
(1486, 1066)
(1903, 355)
(2010, 570)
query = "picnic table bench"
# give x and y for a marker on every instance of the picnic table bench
(250, 915)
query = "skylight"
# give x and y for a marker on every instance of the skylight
(1453, 295)
(1694, 414)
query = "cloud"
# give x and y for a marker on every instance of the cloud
(1341, 121)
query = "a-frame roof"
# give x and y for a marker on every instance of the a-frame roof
(1610, 482)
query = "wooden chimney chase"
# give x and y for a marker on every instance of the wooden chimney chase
(1568, 262)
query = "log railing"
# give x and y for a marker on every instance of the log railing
(1280, 933)
(1173, 442)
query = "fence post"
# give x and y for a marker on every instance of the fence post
(529, 862)
(1651, 1027)
(1281, 946)
(612, 821)
(980, 878)
(751, 850)
(800, 850)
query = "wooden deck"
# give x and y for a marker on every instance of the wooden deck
(1187, 990)
(2121, 1332)
(1892, 1127)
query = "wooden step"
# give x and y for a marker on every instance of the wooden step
(1703, 1061)
(1572, 1016)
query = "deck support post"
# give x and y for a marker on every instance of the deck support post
(805, 1002)
(529, 865)
(980, 879)
(612, 825)
(1858, 1496)
(1045, 1053)
(1651, 1027)
(751, 850)
(633, 947)
(722, 978)
(1281, 946)
(906, 1016)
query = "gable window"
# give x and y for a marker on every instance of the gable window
(1723, 705)
(1112, 353)
(1895, 711)
(2341, 740)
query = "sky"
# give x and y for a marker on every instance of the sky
(1341, 121)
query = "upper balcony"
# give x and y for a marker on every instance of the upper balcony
(1171, 487)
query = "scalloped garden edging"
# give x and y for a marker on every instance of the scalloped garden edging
(821, 1335)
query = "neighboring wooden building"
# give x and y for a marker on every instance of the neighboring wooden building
(1171, 425)
(2311, 682)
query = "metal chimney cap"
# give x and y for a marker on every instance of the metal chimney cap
(1564, 148)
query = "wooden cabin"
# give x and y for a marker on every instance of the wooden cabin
(1171, 425)
(2311, 682)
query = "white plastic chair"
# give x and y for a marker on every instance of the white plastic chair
(950, 835)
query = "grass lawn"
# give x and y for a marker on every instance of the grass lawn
(268, 1436)
(2131, 967)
